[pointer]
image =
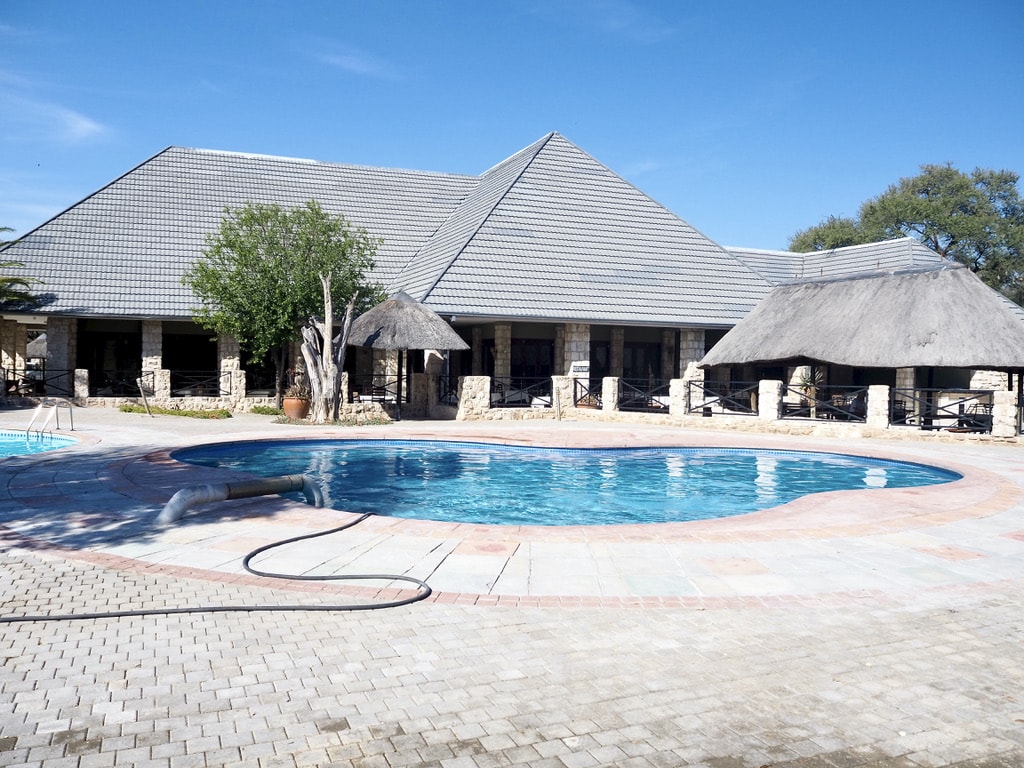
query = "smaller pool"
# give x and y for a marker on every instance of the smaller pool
(22, 444)
(510, 485)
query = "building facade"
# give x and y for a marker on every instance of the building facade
(546, 259)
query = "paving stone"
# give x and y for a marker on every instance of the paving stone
(884, 649)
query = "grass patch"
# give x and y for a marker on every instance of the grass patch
(217, 413)
(352, 422)
(265, 410)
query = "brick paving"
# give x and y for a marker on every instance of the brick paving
(817, 636)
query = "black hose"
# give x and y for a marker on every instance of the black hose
(423, 591)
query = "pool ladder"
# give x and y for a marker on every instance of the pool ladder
(52, 405)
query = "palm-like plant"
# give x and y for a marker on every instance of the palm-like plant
(13, 290)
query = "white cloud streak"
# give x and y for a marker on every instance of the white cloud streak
(359, 63)
(29, 119)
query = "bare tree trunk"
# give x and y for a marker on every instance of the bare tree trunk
(279, 360)
(325, 356)
(340, 345)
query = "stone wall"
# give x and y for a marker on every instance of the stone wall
(502, 350)
(691, 352)
(13, 340)
(616, 352)
(577, 344)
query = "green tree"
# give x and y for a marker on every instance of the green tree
(14, 291)
(976, 219)
(833, 232)
(259, 278)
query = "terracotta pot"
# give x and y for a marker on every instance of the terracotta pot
(295, 407)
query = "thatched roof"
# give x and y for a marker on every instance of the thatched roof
(918, 318)
(36, 348)
(401, 322)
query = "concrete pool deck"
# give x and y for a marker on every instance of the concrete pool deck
(878, 627)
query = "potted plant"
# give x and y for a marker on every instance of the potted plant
(296, 400)
(811, 379)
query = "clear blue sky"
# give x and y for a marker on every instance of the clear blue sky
(749, 119)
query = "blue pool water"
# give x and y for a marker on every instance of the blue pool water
(20, 444)
(495, 484)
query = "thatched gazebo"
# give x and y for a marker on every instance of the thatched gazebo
(401, 323)
(944, 317)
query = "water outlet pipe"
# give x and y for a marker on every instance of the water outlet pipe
(194, 495)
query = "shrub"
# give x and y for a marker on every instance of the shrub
(217, 413)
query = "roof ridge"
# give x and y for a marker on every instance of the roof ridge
(537, 147)
(313, 161)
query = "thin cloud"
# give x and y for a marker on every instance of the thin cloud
(641, 168)
(28, 118)
(358, 62)
(622, 19)
(626, 19)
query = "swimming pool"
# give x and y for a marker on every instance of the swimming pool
(22, 444)
(512, 485)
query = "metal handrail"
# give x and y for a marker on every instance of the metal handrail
(839, 402)
(259, 384)
(198, 383)
(53, 404)
(115, 382)
(721, 397)
(965, 409)
(643, 395)
(39, 381)
(521, 392)
(375, 388)
(587, 395)
(448, 390)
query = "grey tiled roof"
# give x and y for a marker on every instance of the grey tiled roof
(886, 256)
(552, 234)
(548, 234)
(122, 251)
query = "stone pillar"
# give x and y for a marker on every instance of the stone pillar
(474, 397)
(433, 361)
(232, 377)
(502, 350)
(161, 384)
(988, 380)
(61, 349)
(878, 406)
(420, 395)
(769, 399)
(561, 395)
(1004, 414)
(478, 351)
(81, 388)
(20, 345)
(7, 344)
(13, 341)
(155, 378)
(691, 352)
(677, 397)
(577, 343)
(152, 345)
(615, 353)
(561, 366)
(610, 393)
(668, 354)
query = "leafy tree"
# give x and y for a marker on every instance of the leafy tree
(260, 276)
(834, 232)
(976, 219)
(14, 290)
